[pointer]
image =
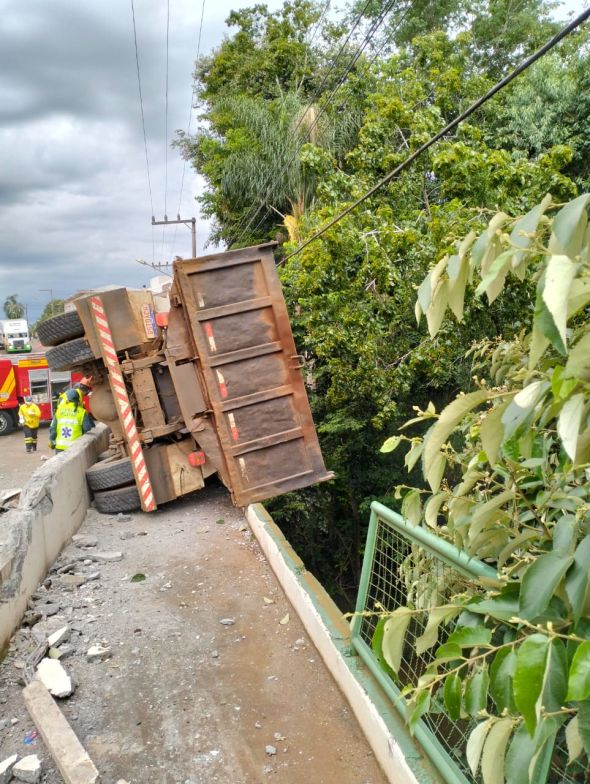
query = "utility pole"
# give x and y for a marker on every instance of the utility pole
(50, 292)
(190, 223)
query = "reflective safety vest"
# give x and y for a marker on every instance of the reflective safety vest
(31, 413)
(69, 418)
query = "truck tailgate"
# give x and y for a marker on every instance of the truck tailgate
(239, 323)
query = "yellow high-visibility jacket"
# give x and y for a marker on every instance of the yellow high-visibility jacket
(31, 413)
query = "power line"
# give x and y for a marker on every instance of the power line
(147, 162)
(453, 124)
(364, 43)
(190, 118)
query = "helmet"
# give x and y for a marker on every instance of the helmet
(28, 399)
(85, 385)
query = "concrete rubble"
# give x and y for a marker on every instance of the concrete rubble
(6, 767)
(55, 679)
(28, 769)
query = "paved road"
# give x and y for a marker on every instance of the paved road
(185, 699)
(16, 465)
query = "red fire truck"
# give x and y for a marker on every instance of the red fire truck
(30, 376)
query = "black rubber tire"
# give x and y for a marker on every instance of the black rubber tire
(69, 355)
(58, 329)
(110, 474)
(125, 499)
(7, 423)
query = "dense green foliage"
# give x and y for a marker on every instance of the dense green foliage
(13, 309)
(510, 483)
(277, 140)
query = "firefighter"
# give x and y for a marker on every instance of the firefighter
(29, 415)
(70, 421)
(84, 385)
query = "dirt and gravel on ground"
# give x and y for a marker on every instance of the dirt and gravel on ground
(16, 465)
(208, 674)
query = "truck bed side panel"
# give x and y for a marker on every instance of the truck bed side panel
(238, 320)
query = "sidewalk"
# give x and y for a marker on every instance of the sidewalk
(185, 699)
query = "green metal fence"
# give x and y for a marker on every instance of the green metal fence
(407, 565)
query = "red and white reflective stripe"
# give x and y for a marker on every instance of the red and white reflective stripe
(123, 406)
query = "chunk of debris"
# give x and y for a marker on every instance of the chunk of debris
(84, 540)
(59, 636)
(98, 653)
(48, 609)
(126, 535)
(72, 760)
(108, 557)
(6, 768)
(124, 518)
(284, 620)
(227, 621)
(215, 654)
(270, 750)
(28, 769)
(9, 498)
(71, 581)
(55, 679)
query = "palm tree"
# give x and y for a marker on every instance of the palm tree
(13, 309)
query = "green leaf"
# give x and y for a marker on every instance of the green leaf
(568, 424)
(412, 507)
(452, 696)
(475, 744)
(436, 311)
(413, 455)
(502, 607)
(448, 652)
(430, 635)
(390, 444)
(488, 512)
(576, 581)
(578, 361)
(575, 746)
(470, 636)
(579, 296)
(476, 692)
(559, 275)
(448, 420)
(420, 706)
(528, 679)
(579, 678)
(458, 272)
(377, 646)
(555, 686)
(564, 534)
(437, 470)
(432, 509)
(527, 225)
(493, 282)
(492, 432)
(501, 677)
(514, 545)
(492, 759)
(518, 758)
(584, 725)
(522, 406)
(540, 581)
(394, 633)
(569, 226)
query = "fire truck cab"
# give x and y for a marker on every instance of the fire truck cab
(31, 376)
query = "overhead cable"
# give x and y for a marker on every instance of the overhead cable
(147, 162)
(565, 31)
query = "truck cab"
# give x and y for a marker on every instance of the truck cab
(14, 336)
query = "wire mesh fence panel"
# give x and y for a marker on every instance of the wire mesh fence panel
(401, 572)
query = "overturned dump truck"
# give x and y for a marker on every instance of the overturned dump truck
(211, 386)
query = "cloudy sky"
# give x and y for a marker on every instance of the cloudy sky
(74, 201)
(75, 209)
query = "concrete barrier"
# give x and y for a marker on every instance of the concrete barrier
(400, 757)
(52, 506)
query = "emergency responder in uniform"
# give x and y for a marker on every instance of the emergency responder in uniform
(29, 415)
(70, 421)
(84, 385)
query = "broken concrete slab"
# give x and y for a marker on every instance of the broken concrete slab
(98, 653)
(61, 635)
(73, 761)
(55, 679)
(28, 769)
(84, 540)
(6, 768)
(108, 557)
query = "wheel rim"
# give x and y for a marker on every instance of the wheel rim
(3, 423)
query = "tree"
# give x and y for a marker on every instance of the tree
(13, 309)
(53, 308)
(515, 450)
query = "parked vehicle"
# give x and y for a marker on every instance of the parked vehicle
(30, 376)
(209, 382)
(14, 335)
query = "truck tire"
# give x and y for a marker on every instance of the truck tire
(7, 423)
(69, 355)
(60, 328)
(109, 474)
(125, 499)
